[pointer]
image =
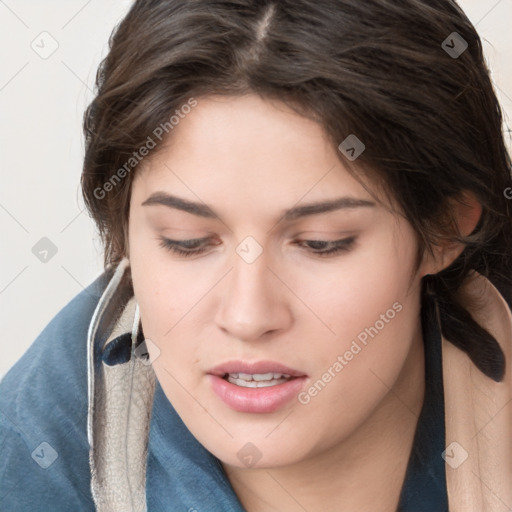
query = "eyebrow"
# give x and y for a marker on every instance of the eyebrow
(202, 210)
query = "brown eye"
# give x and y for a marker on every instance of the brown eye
(328, 248)
(190, 247)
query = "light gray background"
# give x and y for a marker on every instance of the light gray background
(41, 106)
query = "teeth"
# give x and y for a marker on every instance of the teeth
(257, 380)
(265, 376)
(256, 383)
(258, 377)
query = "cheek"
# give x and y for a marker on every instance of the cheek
(373, 308)
(164, 302)
(172, 299)
(162, 290)
(368, 283)
(353, 372)
(343, 402)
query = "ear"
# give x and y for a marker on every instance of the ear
(464, 216)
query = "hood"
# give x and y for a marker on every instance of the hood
(120, 397)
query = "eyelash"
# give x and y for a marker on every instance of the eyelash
(175, 246)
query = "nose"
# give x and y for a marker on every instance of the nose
(253, 303)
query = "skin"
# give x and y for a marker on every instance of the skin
(249, 159)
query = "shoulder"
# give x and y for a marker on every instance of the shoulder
(43, 415)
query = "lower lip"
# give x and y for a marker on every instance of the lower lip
(256, 400)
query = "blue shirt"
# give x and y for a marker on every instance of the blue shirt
(43, 431)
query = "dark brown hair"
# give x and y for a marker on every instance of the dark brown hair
(379, 69)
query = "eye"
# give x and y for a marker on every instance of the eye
(190, 247)
(196, 246)
(325, 248)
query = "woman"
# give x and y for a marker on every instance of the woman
(306, 303)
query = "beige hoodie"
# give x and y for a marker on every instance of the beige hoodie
(478, 414)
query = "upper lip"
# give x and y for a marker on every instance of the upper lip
(254, 367)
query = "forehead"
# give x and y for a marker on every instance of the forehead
(247, 154)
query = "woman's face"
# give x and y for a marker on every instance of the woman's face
(258, 292)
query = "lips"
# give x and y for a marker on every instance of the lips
(256, 367)
(258, 395)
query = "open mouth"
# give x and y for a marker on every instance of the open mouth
(256, 386)
(257, 380)
(256, 392)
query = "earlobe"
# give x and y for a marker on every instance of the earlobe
(465, 213)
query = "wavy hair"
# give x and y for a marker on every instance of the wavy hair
(430, 121)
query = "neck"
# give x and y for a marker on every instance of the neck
(365, 472)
